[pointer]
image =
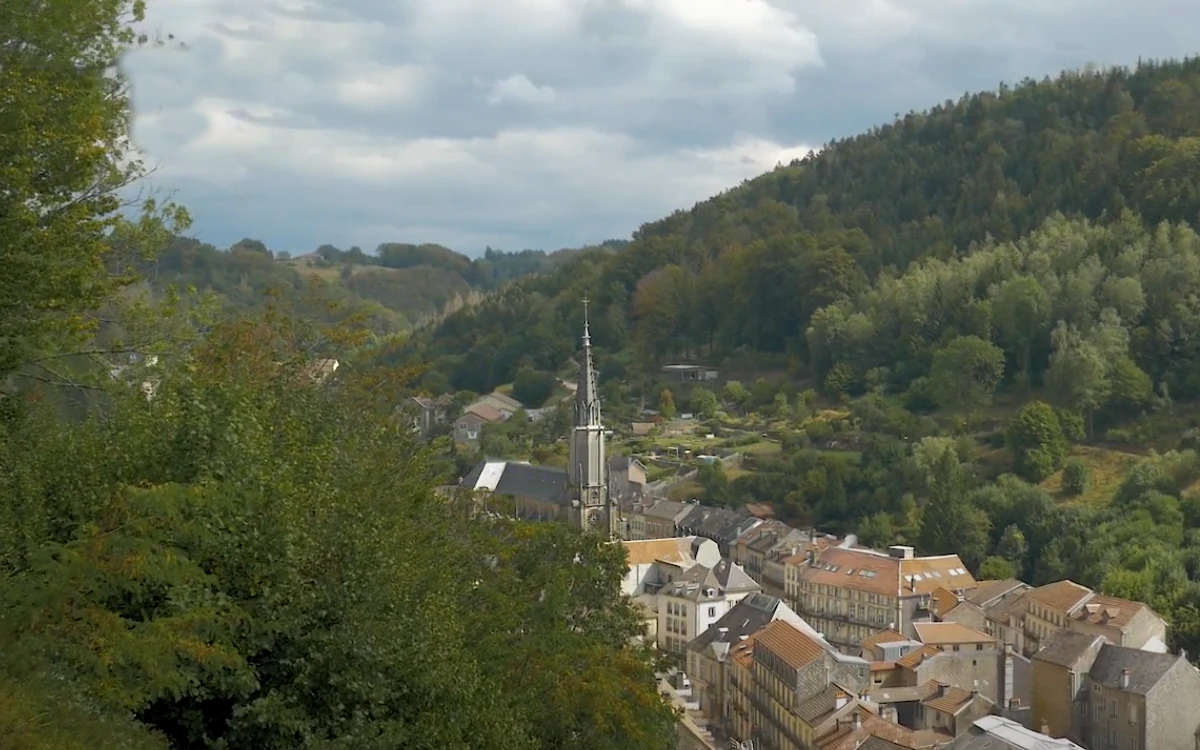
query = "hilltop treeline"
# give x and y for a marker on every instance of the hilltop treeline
(754, 269)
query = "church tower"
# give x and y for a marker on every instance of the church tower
(587, 467)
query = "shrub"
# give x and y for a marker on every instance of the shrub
(1076, 477)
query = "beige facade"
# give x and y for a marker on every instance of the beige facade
(848, 594)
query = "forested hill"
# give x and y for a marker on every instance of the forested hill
(749, 269)
(396, 287)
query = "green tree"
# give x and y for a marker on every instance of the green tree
(533, 388)
(1013, 547)
(666, 404)
(1078, 374)
(1022, 313)
(949, 523)
(966, 372)
(712, 477)
(735, 394)
(704, 403)
(1076, 477)
(65, 159)
(996, 569)
(1036, 442)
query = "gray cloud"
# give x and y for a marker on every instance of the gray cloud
(548, 123)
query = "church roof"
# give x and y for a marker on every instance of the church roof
(546, 484)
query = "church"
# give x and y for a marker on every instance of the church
(581, 494)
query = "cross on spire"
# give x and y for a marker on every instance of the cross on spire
(587, 336)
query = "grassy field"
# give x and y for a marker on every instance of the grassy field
(1108, 469)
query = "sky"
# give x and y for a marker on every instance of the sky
(558, 123)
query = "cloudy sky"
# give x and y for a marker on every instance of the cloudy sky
(557, 123)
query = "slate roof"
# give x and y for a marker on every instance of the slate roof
(987, 593)
(546, 484)
(821, 705)
(723, 577)
(1065, 647)
(746, 618)
(1146, 669)
(719, 524)
(668, 509)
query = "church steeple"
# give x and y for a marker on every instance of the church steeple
(587, 467)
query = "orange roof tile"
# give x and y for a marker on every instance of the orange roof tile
(1102, 609)
(883, 636)
(942, 600)
(950, 700)
(793, 646)
(1060, 595)
(922, 575)
(914, 658)
(742, 652)
(644, 552)
(883, 666)
(877, 573)
(948, 633)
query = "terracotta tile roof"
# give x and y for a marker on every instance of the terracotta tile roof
(878, 573)
(924, 574)
(672, 550)
(794, 647)
(914, 658)
(942, 600)
(819, 545)
(947, 633)
(883, 666)
(742, 653)
(883, 636)
(1108, 610)
(950, 700)
(1061, 595)
(486, 412)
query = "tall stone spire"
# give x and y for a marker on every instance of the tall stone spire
(587, 468)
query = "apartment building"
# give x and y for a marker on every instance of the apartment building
(1068, 605)
(848, 593)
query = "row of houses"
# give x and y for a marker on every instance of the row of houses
(940, 659)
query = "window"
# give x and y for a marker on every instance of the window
(712, 611)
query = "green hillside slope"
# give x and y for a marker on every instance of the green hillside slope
(749, 269)
(397, 287)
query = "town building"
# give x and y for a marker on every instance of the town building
(427, 413)
(1101, 695)
(1068, 605)
(848, 594)
(708, 657)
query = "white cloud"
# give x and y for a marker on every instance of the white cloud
(557, 122)
(521, 90)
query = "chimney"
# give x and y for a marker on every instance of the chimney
(812, 558)
(1014, 703)
(857, 721)
(1045, 728)
(941, 690)
(912, 583)
(1124, 679)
